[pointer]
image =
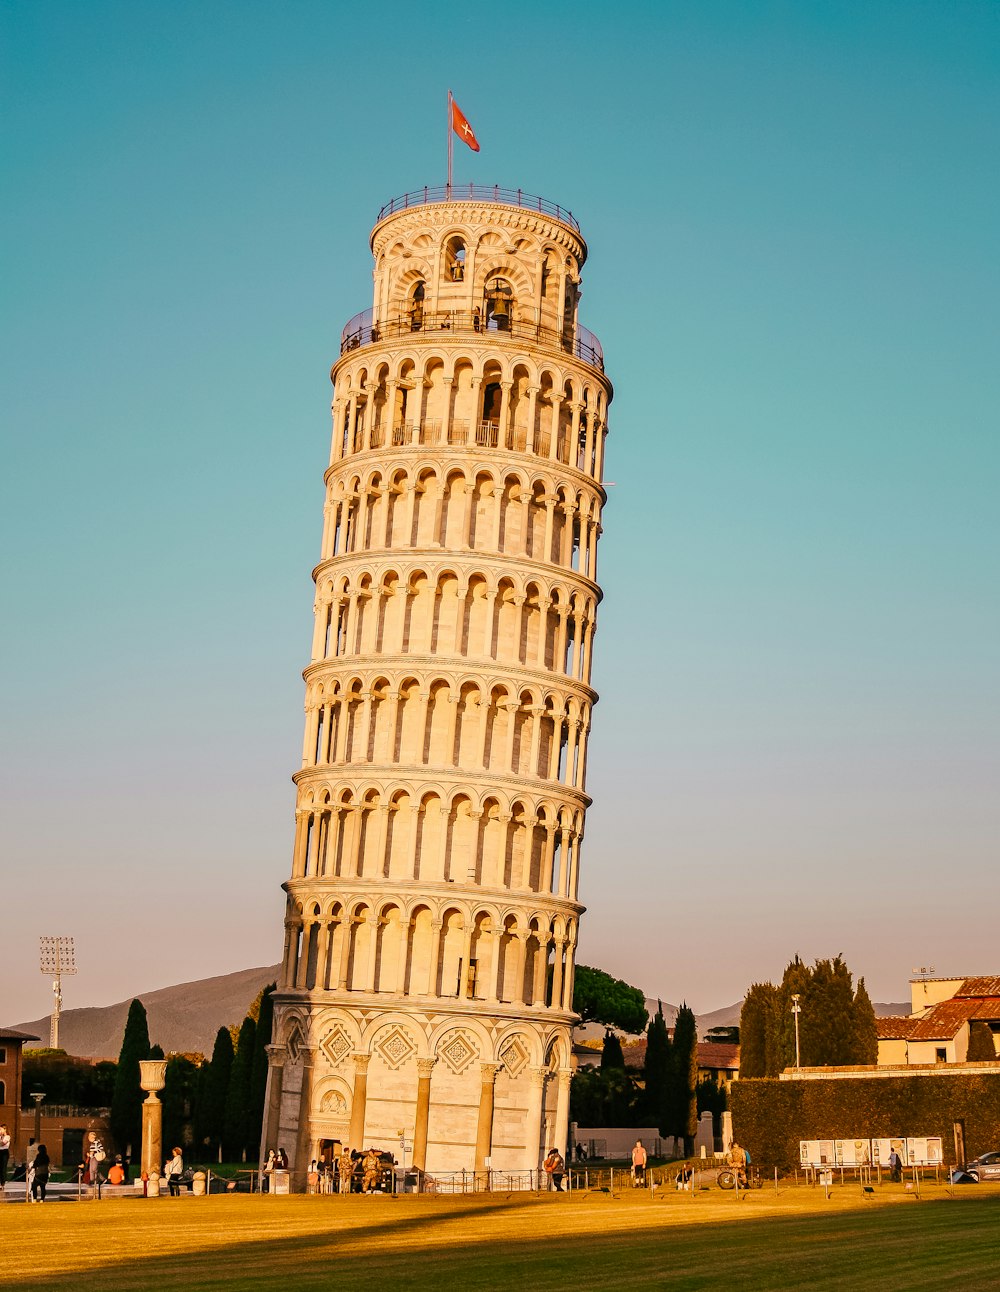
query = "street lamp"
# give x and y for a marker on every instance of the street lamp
(38, 1095)
(796, 1010)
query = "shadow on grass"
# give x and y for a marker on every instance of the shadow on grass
(586, 1245)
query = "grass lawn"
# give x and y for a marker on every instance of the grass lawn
(797, 1239)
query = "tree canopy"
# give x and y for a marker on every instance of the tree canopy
(599, 998)
(836, 1022)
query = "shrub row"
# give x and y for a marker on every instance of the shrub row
(770, 1117)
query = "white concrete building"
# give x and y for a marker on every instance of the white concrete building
(431, 915)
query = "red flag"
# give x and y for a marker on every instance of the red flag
(461, 127)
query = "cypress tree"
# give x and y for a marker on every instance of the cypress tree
(178, 1099)
(216, 1087)
(683, 1103)
(237, 1116)
(611, 1054)
(258, 1068)
(126, 1102)
(656, 1070)
(865, 1030)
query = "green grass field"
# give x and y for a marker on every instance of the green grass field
(797, 1239)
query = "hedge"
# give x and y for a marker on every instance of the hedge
(771, 1116)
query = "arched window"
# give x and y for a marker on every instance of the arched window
(499, 304)
(454, 260)
(417, 307)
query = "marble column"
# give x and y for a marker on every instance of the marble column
(356, 1135)
(562, 1112)
(484, 1126)
(303, 1141)
(276, 1056)
(533, 1147)
(425, 1068)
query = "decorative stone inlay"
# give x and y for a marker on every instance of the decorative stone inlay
(294, 1043)
(395, 1047)
(458, 1049)
(514, 1056)
(336, 1045)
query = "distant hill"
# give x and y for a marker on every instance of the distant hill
(185, 1017)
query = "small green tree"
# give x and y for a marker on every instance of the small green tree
(599, 998)
(722, 1035)
(865, 1028)
(981, 1047)
(126, 1102)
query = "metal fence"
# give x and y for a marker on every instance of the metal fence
(478, 193)
(575, 340)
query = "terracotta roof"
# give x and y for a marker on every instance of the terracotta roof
(946, 1019)
(979, 987)
(8, 1034)
(718, 1054)
(894, 1027)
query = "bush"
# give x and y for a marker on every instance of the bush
(770, 1117)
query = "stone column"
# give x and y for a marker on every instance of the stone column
(533, 1146)
(562, 1112)
(484, 1126)
(359, 1103)
(303, 1140)
(424, 1069)
(152, 1077)
(276, 1056)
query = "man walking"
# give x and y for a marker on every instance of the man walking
(4, 1155)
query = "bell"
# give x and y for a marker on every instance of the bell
(500, 308)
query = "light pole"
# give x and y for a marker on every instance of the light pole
(796, 1010)
(38, 1096)
(57, 957)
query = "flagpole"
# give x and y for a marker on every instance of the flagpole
(448, 190)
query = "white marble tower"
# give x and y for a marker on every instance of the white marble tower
(431, 915)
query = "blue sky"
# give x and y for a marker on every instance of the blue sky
(792, 217)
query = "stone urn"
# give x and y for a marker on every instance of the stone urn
(152, 1077)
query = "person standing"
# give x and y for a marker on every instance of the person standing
(639, 1159)
(173, 1170)
(738, 1161)
(895, 1166)
(345, 1169)
(267, 1171)
(372, 1165)
(40, 1174)
(4, 1155)
(555, 1168)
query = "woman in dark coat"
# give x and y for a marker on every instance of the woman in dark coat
(41, 1174)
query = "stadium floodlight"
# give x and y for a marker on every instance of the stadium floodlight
(57, 957)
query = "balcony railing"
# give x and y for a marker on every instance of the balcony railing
(484, 435)
(578, 341)
(479, 193)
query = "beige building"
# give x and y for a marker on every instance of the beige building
(431, 917)
(937, 1031)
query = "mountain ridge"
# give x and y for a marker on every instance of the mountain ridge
(185, 1017)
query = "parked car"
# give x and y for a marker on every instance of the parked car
(986, 1167)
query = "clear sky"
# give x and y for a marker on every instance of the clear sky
(792, 212)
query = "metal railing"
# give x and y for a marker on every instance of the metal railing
(577, 341)
(479, 193)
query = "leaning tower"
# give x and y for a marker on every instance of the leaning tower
(431, 919)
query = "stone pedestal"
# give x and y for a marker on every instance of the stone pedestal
(152, 1077)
